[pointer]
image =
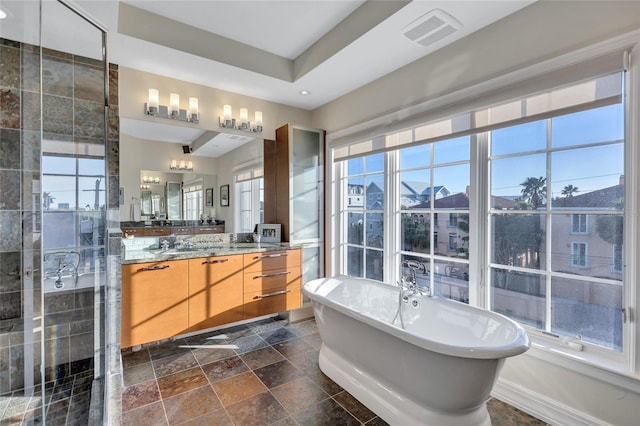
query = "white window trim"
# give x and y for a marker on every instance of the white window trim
(586, 223)
(573, 263)
(620, 372)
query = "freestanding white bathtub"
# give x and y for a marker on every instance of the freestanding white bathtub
(430, 364)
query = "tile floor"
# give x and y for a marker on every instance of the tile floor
(67, 403)
(263, 373)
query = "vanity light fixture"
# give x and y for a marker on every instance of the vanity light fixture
(228, 122)
(181, 165)
(152, 107)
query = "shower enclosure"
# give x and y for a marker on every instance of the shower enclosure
(56, 184)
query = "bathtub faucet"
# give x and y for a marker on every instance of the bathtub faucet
(409, 284)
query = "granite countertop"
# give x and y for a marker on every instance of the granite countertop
(159, 255)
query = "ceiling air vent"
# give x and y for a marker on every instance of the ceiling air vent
(431, 27)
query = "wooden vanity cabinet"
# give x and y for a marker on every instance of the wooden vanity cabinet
(155, 301)
(272, 282)
(215, 291)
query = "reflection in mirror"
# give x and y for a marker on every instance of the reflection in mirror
(175, 196)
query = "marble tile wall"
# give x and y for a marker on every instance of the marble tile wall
(73, 110)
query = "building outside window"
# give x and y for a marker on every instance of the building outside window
(364, 228)
(579, 255)
(579, 224)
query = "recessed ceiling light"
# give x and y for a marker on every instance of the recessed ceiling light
(3, 14)
(304, 92)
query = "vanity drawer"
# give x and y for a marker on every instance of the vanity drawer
(270, 260)
(264, 303)
(266, 281)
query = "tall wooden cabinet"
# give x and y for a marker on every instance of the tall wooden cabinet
(294, 191)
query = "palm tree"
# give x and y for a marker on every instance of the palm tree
(534, 191)
(569, 190)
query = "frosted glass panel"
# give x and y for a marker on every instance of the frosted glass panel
(305, 184)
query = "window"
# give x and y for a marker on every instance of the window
(192, 200)
(250, 204)
(73, 210)
(579, 224)
(453, 242)
(579, 255)
(550, 203)
(364, 222)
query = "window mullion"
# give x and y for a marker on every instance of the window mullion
(478, 220)
(391, 205)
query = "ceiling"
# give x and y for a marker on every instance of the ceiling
(266, 49)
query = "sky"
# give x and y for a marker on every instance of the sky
(515, 155)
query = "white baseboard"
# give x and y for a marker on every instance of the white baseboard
(542, 407)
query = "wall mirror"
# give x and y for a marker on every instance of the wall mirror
(175, 196)
(147, 149)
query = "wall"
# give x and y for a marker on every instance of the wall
(541, 31)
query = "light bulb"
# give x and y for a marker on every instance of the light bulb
(174, 105)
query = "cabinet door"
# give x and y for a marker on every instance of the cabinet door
(154, 301)
(269, 281)
(215, 291)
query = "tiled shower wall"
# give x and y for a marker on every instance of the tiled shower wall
(73, 104)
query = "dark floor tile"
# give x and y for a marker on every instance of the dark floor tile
(151, 414)
(377, 421)
(248, 344)
(308, 363)
(327, 412)
(292, 347)
(280, 335)
(304, 328)
(237, 388)
(140, 394)
(261, 409)
(298, 394)
(236, 332)
(261, 357)
(265, 325)
(215, 418)
(138, 373)
(313, 339)
(181, 382)
(190, 405)
(286, 422)
(277, 374)
(204, 339)
(171, 348)
(130, 358)
(224, 369)
(506, 415)
(355, 407)
(174, 363)
(209, 355)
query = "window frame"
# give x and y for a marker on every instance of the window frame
(597, 363)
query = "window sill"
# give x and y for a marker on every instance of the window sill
(613, 372)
